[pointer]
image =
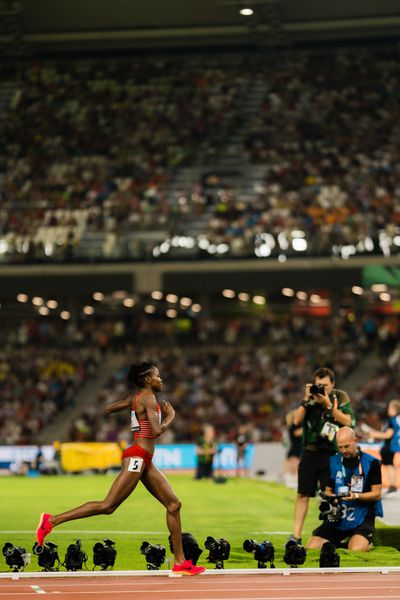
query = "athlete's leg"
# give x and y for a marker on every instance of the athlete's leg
(158, 485)
(121, 488)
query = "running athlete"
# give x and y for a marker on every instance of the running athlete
(137, 465)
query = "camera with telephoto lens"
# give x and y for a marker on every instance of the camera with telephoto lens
(16, 557)
(104, 554)
(263, 552)
(219, 551)
(317, 388)
(75, 557)
(154, 554)
(47, 555)
(295, 554)
(330, 508)
(329, 557)
(191, 549)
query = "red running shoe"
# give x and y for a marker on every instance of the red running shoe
(187, 568)
(44, 528)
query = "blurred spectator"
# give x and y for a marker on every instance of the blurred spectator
(206, 449)
(242, 441)
(292, 436)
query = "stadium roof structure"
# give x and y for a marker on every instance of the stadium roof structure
(121, 24)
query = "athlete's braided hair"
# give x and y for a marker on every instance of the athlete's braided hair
(137, 372)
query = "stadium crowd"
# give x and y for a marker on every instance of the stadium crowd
(326, 131)
(326, 137)
(42, 369)
(256, 377)
(92, 147)
(78, 158)
(218, 370)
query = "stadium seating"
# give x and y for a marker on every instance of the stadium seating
(257, 376)
(120, 160)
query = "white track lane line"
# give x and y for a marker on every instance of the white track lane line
(38, 589)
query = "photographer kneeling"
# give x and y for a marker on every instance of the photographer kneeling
(354, 483)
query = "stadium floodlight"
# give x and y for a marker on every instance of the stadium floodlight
(246, 11)
(16, 557)
(263, 552)
(219, 551)
(47, 556)
(154, 554)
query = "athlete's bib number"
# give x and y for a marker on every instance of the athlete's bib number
(135, 465)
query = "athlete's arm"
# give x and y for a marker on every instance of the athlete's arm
(152, 415)
(119, 405)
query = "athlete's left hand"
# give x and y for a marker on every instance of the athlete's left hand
(168, 409)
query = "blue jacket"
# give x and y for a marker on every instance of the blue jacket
(394, 423)
(354, 511)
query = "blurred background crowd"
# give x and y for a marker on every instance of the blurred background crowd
(198, 156)
(225, 371)
(94, 154)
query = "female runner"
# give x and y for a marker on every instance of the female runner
(137, 465)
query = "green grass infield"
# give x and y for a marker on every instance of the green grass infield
(235, 510)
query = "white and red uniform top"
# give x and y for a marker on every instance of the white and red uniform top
(145, 430)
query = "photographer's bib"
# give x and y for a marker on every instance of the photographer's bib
(346, 479)
(329, 430)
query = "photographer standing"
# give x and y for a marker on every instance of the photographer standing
(323, 410)
(355, 476)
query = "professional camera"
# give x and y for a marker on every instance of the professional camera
(295, 554)
(16, 557)
(155, 555)
(191, 549)
(317, 388)
(47, 555)
(218, 551)
(104, 554)
(75, 557)
(330, 508)
(263, 552)
(329, 557)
